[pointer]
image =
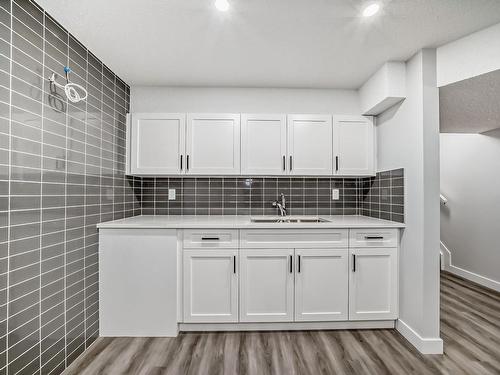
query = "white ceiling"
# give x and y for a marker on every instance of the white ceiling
(263, 43)
(471, 105)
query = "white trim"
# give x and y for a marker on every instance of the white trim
(447, 265)
(289, 326)
(445, 256)
(423, 344)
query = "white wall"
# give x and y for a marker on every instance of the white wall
(475, 54)
(408, 137)
(470, 222)
(200, 99)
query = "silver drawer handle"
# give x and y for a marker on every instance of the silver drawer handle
(210, 238)
(374, 237)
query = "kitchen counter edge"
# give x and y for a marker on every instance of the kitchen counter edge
(242, 222)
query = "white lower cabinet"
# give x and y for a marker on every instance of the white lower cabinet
(373, 284)
(229, 276)
(138, 282)
(266, 285)
(321, 284)
(283, 283)
(210, 286)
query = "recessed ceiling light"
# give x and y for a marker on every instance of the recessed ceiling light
(222, 5)
(371, 10)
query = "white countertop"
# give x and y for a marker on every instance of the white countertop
(241, 222)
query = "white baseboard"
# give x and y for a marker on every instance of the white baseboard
(424, 345)
(286, 326)
(474, 277)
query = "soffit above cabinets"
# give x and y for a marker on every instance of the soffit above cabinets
(384, 89)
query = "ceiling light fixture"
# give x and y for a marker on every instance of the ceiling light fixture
(222, 5)
(371, 10)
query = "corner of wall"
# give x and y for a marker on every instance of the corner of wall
(424, 345)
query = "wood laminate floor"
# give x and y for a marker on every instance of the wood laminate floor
(470, 328)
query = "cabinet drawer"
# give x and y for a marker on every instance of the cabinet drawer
(294, 238)
(210, 238)
(373, 238)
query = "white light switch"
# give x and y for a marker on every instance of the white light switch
(335, 194)
(171, 194)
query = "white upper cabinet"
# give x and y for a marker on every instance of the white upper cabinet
(158, 143)
(263, 144)
(354, 139)
(213, 144)
(258, 145)
(310, 145)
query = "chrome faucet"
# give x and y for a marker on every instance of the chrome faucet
(280, 204)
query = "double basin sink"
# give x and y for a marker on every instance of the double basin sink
(289, 219)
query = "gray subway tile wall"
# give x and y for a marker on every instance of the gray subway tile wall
(62, 171)
(381, 196)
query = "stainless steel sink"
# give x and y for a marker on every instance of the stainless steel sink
(288, 220)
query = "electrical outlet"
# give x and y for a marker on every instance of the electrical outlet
(335, 194)
(171, 194)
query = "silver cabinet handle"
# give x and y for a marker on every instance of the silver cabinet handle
(284, 163)
(181, 161)
(234, 264)
(187, 162)
(299, 264)
(336, 163)
(210, 238)
(374, 237)
(290, 162)
(353, 262)
(291, 264)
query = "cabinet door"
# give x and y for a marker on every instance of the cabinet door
(213, 144)
(310, 145)
(157, 143)
(321, 284)
(263, 144)
(354, 139)
(373, 284)
(266, 285)
(210, 286)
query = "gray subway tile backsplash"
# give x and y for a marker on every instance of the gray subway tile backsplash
(62, 171)
(381, 196)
